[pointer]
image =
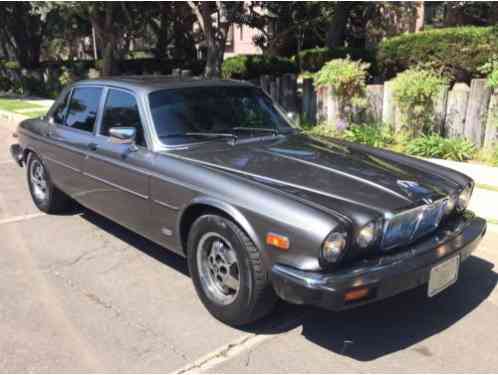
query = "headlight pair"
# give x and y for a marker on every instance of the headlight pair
(464, 198)
(336, 242)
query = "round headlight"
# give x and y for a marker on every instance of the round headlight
(450, 205)
(367, 235)
(464, 198)
(333, 246)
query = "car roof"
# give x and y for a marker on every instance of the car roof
(149, 83)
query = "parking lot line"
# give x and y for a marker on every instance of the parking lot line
(6, 161)
(16, 219)
(234, 348)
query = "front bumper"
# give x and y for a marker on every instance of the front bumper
(384, 276)
(17, 154)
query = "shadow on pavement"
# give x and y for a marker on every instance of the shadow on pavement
(364, 333)
(142, 244)
(388, 326)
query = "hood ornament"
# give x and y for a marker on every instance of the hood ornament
(413, 188)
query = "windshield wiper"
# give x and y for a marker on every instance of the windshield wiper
(201, 134)
(269, 130)
(213, 135)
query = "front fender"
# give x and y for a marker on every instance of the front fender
(227, 208)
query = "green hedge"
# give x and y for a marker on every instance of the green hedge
(60, 73)
(457, 51)
(312, 60)
(254, 66)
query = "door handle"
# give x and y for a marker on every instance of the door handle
(92, 146)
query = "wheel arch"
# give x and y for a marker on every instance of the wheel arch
(201, 205)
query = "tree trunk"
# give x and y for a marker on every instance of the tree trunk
(108, 59)
(107, 38)
(214, 35)
(336, 32)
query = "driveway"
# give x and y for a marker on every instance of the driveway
(80, 293)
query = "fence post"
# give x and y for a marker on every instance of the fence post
(278, 90)
(440, 109)
(477, 111)
(332, 107)
(264, 83)
(289, 93)
(388, 107)
(375, 99)
(273, 90)
(492, 122)
(321, 108)
(309, 106)
(456, 110)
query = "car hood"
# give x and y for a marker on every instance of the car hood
(329, 171)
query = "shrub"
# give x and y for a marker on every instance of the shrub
(435, 146)
(254, 66)
(490, 69)
(457, 51)
(375, 135)
(347, 80)
(312, 60)
(415, 91)
(5, 84)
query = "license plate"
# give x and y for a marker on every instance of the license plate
(443, 275)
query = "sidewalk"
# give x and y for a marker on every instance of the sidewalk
(484, 201)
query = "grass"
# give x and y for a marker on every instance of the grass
(492, 221)
(34, 114)
(487, 187)
(22, 107)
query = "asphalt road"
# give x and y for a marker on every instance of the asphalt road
(80, 293)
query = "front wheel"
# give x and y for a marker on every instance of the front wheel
(227, 271)
(45, 195)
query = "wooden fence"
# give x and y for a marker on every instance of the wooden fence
(462, 112)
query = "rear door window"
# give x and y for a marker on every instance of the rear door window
(83, 108)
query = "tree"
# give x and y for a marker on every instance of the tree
(214, 20)
(337, 31)
(172, 25)
(22, 29)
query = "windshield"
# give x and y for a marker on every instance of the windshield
(190, 115)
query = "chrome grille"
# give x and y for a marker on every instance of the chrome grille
(412, 224)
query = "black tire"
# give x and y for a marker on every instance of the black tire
(256, 297)
(54, 201)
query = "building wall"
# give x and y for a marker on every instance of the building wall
(240, 41)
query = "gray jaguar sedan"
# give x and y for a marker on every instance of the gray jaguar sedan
(215, 171)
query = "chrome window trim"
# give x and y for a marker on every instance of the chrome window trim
(141, 114)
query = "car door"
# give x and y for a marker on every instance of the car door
(117, 172)
(72, 127)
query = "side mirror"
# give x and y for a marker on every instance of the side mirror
(123, 135)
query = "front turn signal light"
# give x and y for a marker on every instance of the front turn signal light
(278, 241)
(356, 294)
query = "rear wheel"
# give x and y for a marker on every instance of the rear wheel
(227, 271)
(45, 195)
